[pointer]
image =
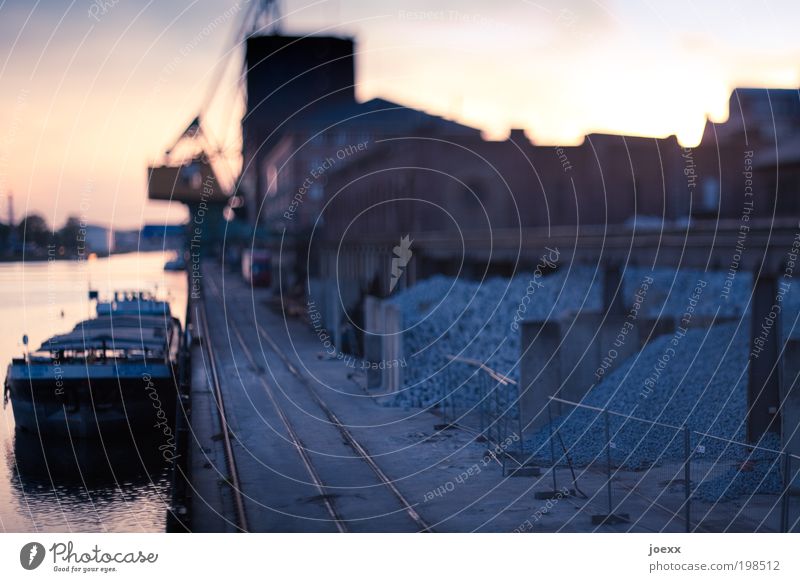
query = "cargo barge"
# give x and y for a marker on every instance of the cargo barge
(113, 373)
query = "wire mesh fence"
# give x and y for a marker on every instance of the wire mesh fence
(478, 397)
(641, 474)
(738, 487)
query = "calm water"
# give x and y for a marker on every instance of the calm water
(78, 486)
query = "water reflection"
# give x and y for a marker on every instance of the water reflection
(117, 485)
(114, 485)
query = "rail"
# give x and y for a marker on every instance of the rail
(241, 516)
(348, 437)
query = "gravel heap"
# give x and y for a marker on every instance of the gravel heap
(669, 293)
(753, 471)
(704, 386)
(474, 320)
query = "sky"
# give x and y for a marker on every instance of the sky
(92, 91)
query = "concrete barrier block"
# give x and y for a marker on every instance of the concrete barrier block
(540, 371)
(392, 352)
(790, 399)
(566, 358)
(582, 343)
(373, 338)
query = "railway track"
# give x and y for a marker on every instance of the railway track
(337, 519)
(361, 451)
(230, 459)
(346, 434)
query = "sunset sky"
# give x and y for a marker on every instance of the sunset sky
(86, 102)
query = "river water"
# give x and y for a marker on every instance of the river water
(80, 485)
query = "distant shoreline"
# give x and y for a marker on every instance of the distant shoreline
(37, 258)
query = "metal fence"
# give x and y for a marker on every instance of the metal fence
(642, 474)
(476, 397)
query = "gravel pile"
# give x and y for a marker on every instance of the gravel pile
(670, 291)
(755, 471)
(475, 320)
(703, 385)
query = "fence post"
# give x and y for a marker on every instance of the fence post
(484, 414)
(502, 418)
(687, 477)
(608, 462)
(443, 400)
(519, 425)
(490, 397)
(787, 482)
(552, 444)
(451, 404)
(504, 409)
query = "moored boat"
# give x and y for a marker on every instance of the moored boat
(115, 372)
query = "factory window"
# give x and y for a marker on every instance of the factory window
(710, 199)
(272, 180)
